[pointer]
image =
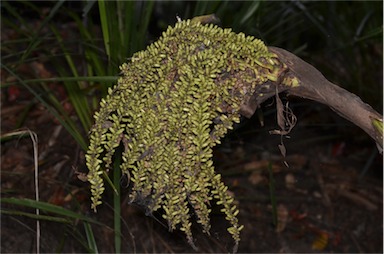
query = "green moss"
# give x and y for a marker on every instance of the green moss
(171, 106)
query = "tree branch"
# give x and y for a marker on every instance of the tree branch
(313, 85)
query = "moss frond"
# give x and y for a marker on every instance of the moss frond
(172, 105)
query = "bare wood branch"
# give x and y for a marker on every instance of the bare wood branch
(313, 85)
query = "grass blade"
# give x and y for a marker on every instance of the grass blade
(104, 26)
(90, 238)
(144, 22)
(43, 206)
(64, 119)
(36, 39)
(35, 216)
(75, 93)
(100, 79)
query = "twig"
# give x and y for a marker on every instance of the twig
(34, 138)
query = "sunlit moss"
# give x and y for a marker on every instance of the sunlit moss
(171, 106)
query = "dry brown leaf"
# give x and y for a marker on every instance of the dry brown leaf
(290, 181)
(256, 165)
(255, 178)
(297, 161)
(321, 241)
(40, 70)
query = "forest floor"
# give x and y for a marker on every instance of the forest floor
(328, 199)
(325, 196)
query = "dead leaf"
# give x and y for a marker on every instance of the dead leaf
(81, 176)
(282, 218)
(40, 70)
(256, 165)
(286, 120)
(297, 161)
(255, 178)
(282, 149)
(290, 181)
(321, 241)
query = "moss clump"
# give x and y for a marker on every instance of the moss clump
(171, 106)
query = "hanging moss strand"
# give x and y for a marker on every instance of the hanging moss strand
(172, 104)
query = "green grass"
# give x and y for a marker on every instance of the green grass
(122, 36)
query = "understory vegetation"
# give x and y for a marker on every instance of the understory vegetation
(59, 58)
